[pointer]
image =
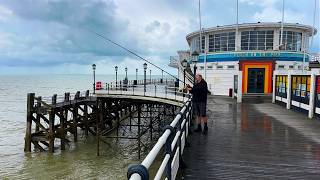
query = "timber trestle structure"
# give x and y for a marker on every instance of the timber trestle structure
(59, 121)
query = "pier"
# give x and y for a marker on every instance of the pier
(134, 110)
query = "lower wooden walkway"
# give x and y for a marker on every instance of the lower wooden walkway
(253, 141)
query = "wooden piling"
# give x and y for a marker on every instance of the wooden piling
(75, 120)
(30, 102)
(51, 135)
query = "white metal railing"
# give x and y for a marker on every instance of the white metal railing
(172, 141)
(156, 91)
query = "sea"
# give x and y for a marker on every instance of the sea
(79, 160)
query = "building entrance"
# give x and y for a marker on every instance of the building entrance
(256, 80)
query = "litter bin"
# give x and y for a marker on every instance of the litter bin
(230, 92)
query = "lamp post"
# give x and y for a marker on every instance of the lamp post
(161, 76)
(195, 58)
(126, 69)
(150, 75)
(137, 74)
(116, 68)
(184, 64)
(94, 78)
(145, 74)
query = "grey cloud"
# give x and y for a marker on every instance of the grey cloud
(66, 25)
(152, 26)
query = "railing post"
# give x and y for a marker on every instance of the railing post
(166, 91)
(155, 90)
(168, 150)
(133, 89)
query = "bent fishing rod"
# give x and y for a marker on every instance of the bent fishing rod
(131, 52)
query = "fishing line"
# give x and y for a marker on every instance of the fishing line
(135, 54)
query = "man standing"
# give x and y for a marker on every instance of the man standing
(199, 92)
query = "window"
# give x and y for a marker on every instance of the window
(301, 87)
(257, 40)
(203, 42)
(281, 85)
(291, 67)
(219, 67)
(230, 66)
(201, 67)
(291, 41)
(222, 42)
(281, 67)
(209, 67)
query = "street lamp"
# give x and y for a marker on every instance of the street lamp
(162, 76)
(184, 64)
(150, 75)
(126, 69)
(195, 58)
(94, 78)
(145, 74)
(116, 68)
(137, 74)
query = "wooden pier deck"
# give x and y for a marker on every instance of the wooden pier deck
(253, 141)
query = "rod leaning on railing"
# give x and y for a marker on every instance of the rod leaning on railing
(173, 141)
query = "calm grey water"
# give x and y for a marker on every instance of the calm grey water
(79, 160)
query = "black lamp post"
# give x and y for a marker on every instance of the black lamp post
(126, 69)
(195, 58)
(145, 74)
(137, 74)
(184, 64)
(116, 68)
(150, 75)
(94, 78)
(161, 77)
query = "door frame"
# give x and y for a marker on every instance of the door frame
(263, 83)
(269, 67)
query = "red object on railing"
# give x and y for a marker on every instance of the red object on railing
(98, 85)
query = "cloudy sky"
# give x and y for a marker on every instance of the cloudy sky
(54, 36)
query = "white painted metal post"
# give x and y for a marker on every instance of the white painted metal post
(274, 88)
(233, 89)
(289, 92)
(312, 95)
(239, 94)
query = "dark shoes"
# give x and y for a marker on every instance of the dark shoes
(205, 130)
(198, 128)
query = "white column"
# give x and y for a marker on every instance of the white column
(274, 88)
(289, 92)
(312, 95)
(233, 87)
(239, 94)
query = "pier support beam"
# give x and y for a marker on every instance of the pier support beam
(30, 102)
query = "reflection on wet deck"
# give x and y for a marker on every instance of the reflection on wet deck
(254, 141)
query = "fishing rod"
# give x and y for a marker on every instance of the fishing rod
(135, 54)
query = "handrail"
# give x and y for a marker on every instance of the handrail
(173, 140)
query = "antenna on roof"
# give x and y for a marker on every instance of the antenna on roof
(281, 35)
(314, 21)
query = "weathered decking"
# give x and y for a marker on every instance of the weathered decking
(254, 141)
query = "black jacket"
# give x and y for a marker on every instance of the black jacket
(200, 91)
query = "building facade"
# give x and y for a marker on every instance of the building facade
(255, 50)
